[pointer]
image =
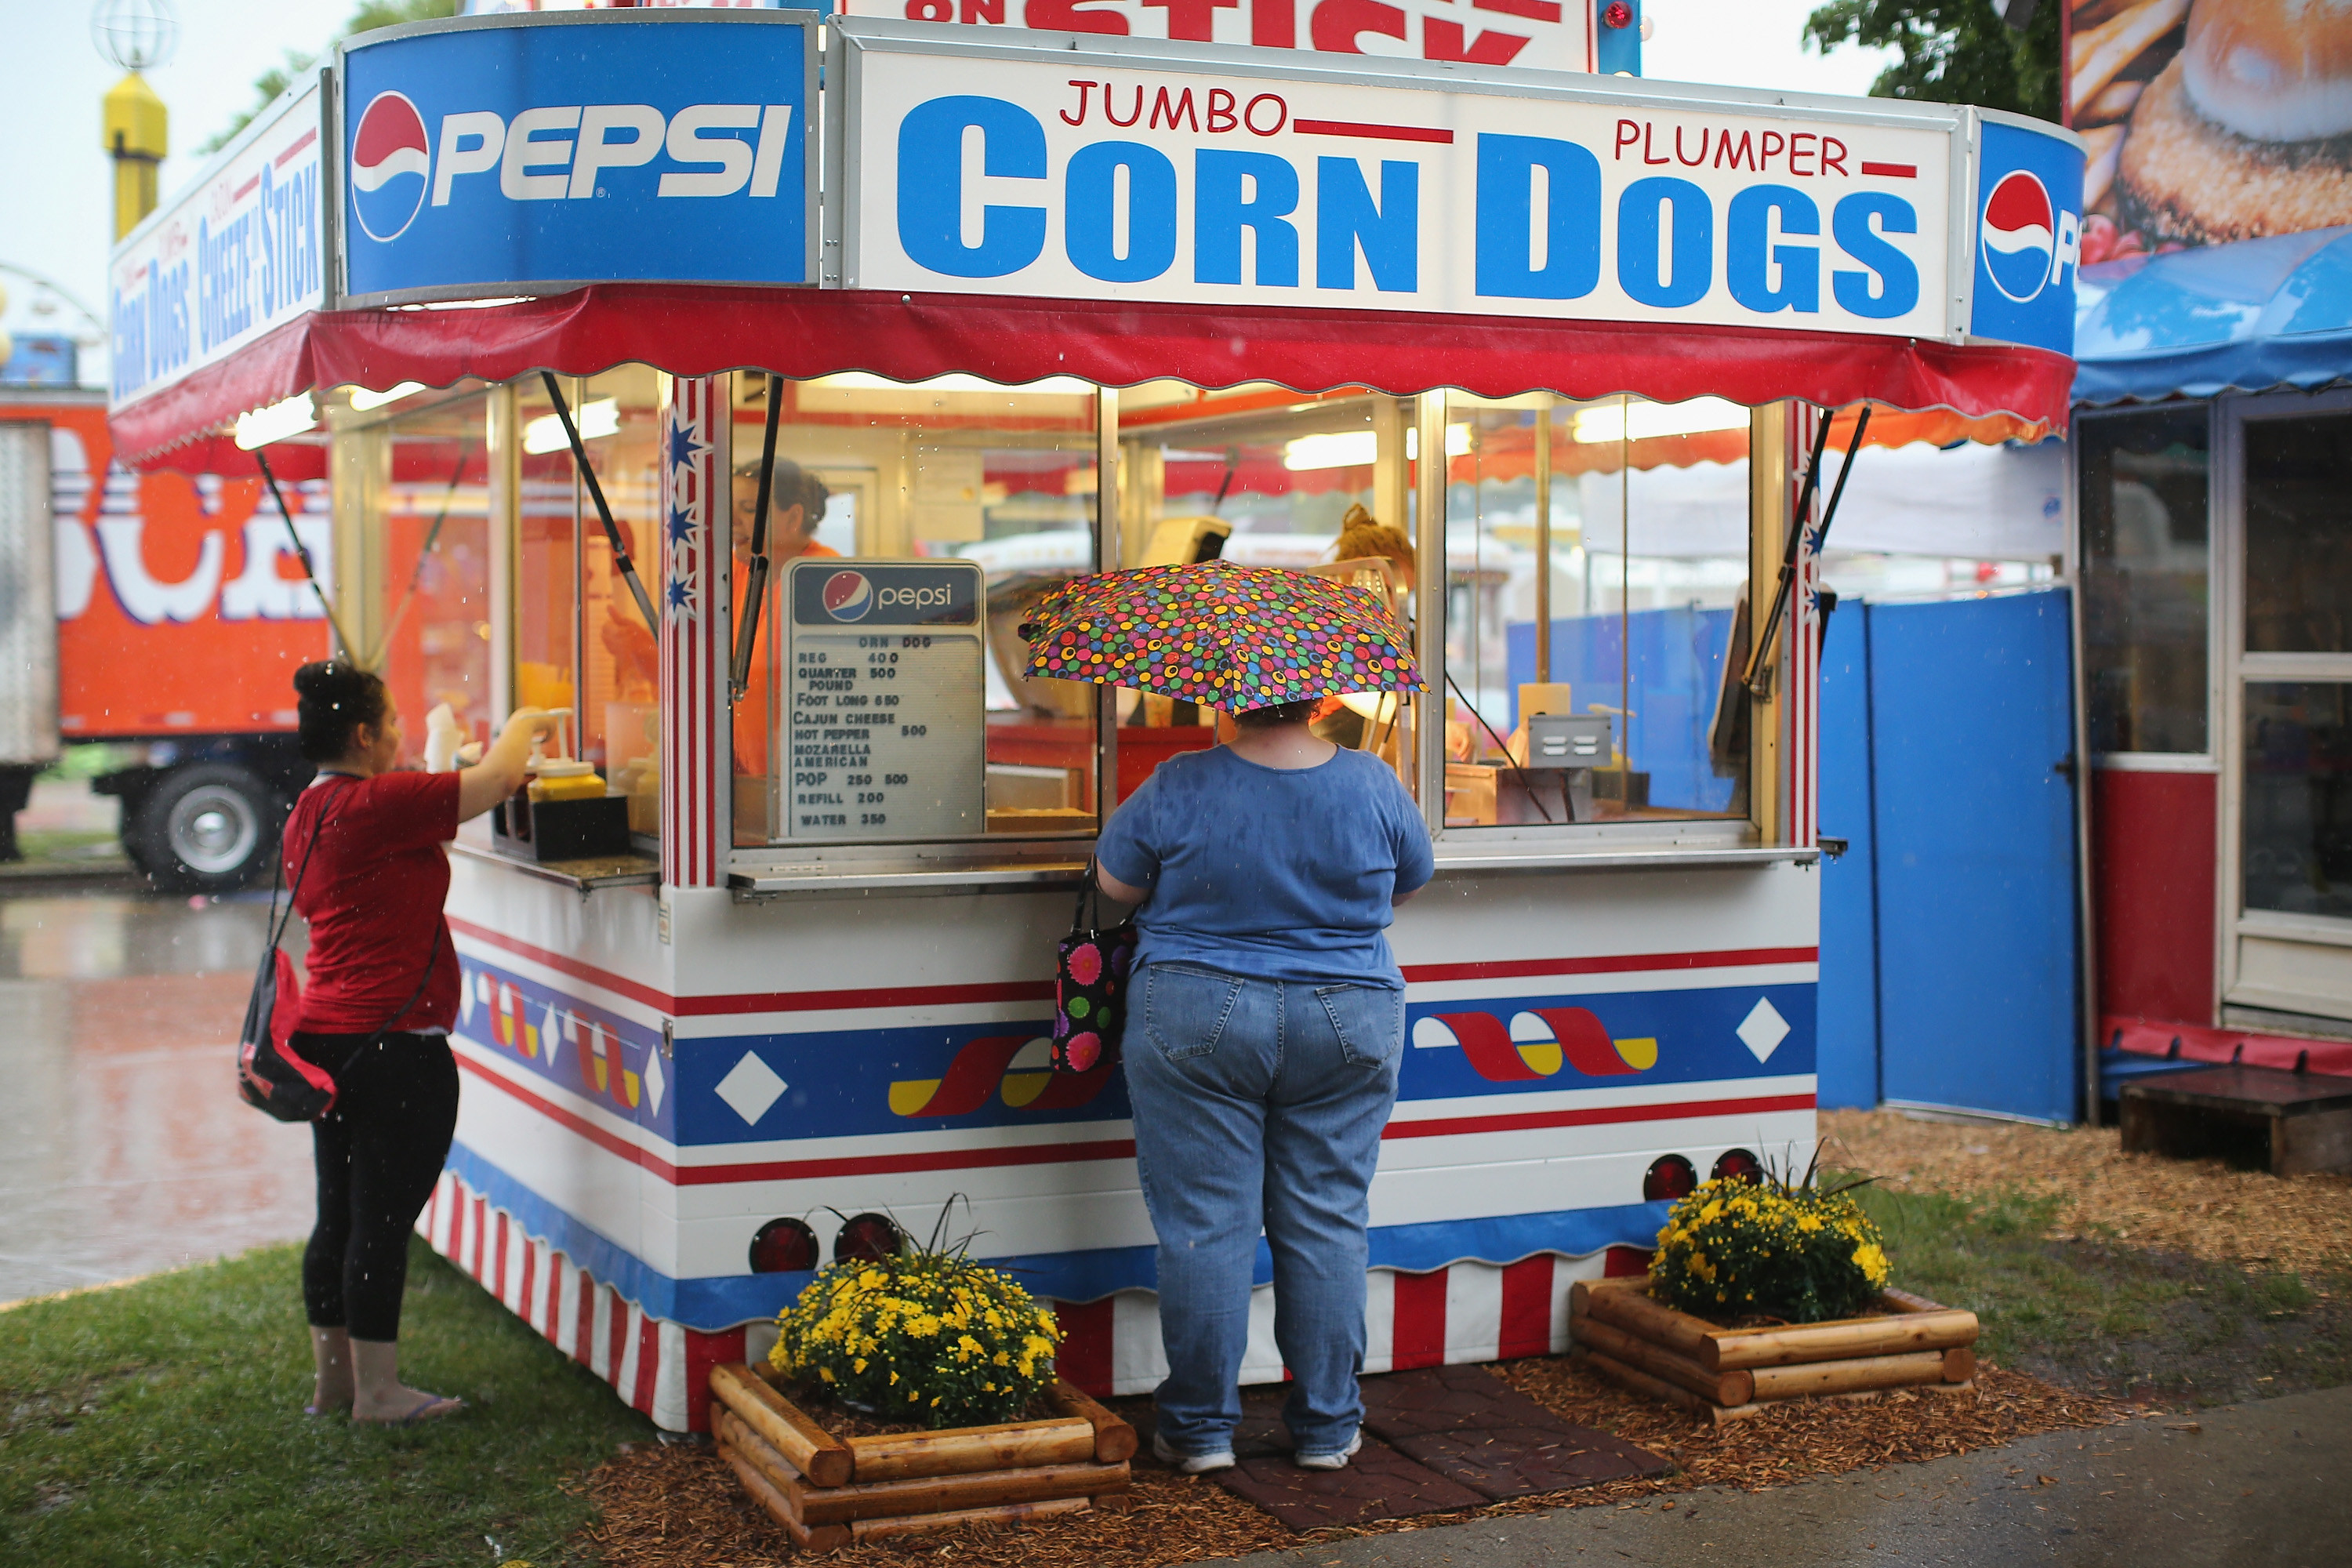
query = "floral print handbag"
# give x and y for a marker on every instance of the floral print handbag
(1090, 976)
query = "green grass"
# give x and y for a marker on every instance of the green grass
(161, 1423)
(2122, 1320)
(73, 846)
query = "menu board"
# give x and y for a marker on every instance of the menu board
(884, 700)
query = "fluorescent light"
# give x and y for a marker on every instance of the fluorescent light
(1336, 449)
(1358, 448)
(1618, 422)
(277, 422)
(545, 434)
(362, 399)
(864, 380)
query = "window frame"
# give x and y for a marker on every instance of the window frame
(2235, 669)
(2219, 580)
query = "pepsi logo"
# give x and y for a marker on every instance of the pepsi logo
(848, 596)
(391, 159)
(2019, 236)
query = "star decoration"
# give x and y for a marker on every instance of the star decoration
(681, 525)
(683, 448)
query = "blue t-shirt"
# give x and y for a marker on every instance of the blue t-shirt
(1276, 873)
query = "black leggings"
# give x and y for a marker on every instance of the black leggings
(379, 1154)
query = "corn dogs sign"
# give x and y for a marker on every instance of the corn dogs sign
(1194, 175)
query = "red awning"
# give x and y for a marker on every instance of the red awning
(801, 333)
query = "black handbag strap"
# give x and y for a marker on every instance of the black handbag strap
(277, 867)
(1086, 919)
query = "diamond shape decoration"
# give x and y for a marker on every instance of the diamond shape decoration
(656, 1082)
(550, 1035)
(1763, 1029)
(751, 1087)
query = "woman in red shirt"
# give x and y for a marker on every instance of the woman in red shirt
(365, 844)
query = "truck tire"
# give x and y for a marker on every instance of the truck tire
(206, 828)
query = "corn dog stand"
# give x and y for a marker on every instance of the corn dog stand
(1033, 304)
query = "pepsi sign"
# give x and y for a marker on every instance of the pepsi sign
(1201, 174)
(2029, 234)
(527, 153)
(886, 593)
(390, 156)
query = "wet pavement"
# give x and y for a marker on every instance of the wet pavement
(123, 1146)
(2247, 1484)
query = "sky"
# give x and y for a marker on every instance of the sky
(57, 189)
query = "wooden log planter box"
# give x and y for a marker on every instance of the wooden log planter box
(1726, 1373)
(829, 1491)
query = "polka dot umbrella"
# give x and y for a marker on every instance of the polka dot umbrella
(1220, 635)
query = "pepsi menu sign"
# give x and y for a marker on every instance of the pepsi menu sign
(503, 155)
(240, 254)
(884, 700)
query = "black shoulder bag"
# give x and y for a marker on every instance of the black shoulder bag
(272, 1075)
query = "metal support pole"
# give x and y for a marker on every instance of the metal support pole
(1543, 539)
(1108, 553)
(1428, 607)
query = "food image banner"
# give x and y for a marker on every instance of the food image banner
(241, 253)
(2209, 120)
(1545, 34)
(507, 155)
(1202, 176)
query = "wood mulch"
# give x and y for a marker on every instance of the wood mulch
(678, 1506)
(2202, 1207)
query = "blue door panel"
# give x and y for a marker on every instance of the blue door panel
(1847, 1004)
(1970, 712)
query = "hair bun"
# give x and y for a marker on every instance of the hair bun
(336, 697)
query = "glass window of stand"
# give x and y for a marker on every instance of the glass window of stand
(1003, 478)
(983, 495)
(580, 641)
(426, 568)
(1649, 559)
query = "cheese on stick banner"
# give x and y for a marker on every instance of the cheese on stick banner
(1545, 34)
(2209, 121)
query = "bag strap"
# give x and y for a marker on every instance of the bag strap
(1088, 916)
(431, 956)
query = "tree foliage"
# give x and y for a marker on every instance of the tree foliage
(371, 14)
(1952, 51)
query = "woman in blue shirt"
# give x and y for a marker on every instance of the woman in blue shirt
(1265, 1035)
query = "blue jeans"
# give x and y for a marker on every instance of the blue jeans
(1259, 1104)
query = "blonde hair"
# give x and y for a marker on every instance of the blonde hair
(1362, 535)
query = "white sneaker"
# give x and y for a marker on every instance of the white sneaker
(1192, 1464)
(1337, 1461)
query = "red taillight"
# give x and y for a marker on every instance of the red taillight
(871, 1236)
(1738, 1165)
(1670, 1177)
(783, 1246)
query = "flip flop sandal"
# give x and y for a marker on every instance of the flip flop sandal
(434, 1410)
